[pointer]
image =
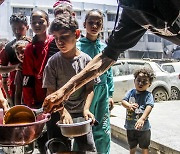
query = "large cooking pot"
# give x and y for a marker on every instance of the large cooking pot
(79, 127)
(22, 134)
(21, 114)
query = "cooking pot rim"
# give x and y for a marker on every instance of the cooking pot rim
(47, 116)
(74, 124)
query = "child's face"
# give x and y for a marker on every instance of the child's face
(93, 24)
(39, 23)
(65, 40)
(142, 82)
(20, 52)
(19, 29)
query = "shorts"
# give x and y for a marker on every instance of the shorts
(136, 137)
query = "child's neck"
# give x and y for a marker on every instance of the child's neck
(91, 37)
(42, 37)
(71, 54)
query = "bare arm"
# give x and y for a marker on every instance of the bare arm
(88, 101)
(7, 69)
(140, 123)
(95, 68)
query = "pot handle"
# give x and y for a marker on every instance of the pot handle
(38, 111)
(95, 123)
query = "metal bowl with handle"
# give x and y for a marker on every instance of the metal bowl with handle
(22, 133)
(79, 127)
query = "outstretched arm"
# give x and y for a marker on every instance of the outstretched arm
(95, 68)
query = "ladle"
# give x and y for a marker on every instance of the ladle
(21, 114)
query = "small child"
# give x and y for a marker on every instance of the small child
(19, 48)
(139, 103)
(60, 68)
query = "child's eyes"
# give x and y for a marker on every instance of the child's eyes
(92, 23)
(40, 23)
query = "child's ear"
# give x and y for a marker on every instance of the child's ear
(77, 33)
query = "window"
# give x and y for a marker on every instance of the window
(78, 14)
(26, 11)
(153, 38)
(50, 11)
(168, 68)
(111, 17)
(120, 69)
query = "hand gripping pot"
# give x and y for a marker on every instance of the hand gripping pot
(79, 127)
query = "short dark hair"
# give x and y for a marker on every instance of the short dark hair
(18, 17)
(94, 10)
(67, 22)
(147, 72)
(42, 11)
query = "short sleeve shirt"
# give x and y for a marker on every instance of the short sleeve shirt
(59, 71)
(143, 99)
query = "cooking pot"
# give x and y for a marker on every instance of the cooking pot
(23, 133)
(21, 114)
(79, 127)
(56, 146)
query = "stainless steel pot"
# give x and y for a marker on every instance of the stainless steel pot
(79, 127)
(22, 134)
(21, 114)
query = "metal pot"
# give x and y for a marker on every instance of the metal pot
(79, 127)
(22, 134)
(21, 114)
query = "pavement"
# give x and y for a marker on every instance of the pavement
(165, 126)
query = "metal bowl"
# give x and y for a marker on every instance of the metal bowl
(22, 134)
(79, 127)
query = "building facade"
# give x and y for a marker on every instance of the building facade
(150, 46)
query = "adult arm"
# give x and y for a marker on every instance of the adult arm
(93, 69)
(126, 35)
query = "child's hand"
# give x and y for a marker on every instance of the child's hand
(18, 67)
(139, 124)
(4, 104)
(132, 106)
(66, 117)
(88, 114)
(111, 104)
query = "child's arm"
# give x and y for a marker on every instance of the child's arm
(18, 95)
(140, 123)
(7, 69)
(65, 116)
(129, 106)
(89, 97)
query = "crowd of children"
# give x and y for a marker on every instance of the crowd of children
(43, 64)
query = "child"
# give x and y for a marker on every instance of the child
(59, 69)
(19, 48)
(139, 103)
(63, 7)
(35, 59)
(103, 91)
(19, 27)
